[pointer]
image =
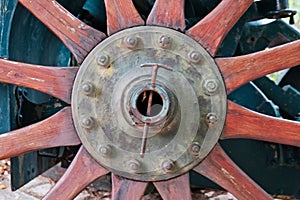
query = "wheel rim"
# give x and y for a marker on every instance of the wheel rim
(80, 39)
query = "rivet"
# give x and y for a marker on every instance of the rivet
(87, 122)
(165, 41)
(195, 148)
(134, 165)
(105, 150)
(103, 60)
(131, 42)
(88, 88)
(195, 56)
(211, 118)
(167, 166)
(210, 86)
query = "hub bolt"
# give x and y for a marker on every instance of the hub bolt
(211, 119)
(134, 165)
(88, 88)
(165, 41)
(168, 166)
(195, 56)
(87, 122)
(195, 148)
(105, 150)
(103, 60)
(210, 86)
(131, 42)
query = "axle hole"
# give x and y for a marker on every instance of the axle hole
(156, 104)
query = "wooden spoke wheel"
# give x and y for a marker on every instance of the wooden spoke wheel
(148, 102)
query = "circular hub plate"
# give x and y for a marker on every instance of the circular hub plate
(143, 69)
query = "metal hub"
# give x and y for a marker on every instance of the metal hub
(149, 103)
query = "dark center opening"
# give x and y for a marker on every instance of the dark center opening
(155, 106)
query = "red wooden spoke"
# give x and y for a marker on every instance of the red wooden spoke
(76, 35)
(177, 188)
(123, 188)
(218, 167)
(242, 69)
(212, 29)
(121, 14)
(55, 131)
(83, 171)
(244, 123)
(168, 14)
(55, 81)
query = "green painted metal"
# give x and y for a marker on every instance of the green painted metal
(4, 108)
(257, 36)
(263, 161)
(286, 98)
(6, 14)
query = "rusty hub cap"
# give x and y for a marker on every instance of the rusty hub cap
(149, 103)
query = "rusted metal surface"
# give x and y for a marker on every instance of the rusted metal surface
(148, 119)
(142, 146)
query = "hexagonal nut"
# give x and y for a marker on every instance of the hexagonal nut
(195, 148)
(210, 86)
(131, 42)
(211, 119)
(168, 166)
(105, 150)
(194, 57)
(103, 60)
(87, 122)
(165, 41)
(88, 89)
(134, 166)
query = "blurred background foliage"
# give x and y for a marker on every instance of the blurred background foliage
(295, 4)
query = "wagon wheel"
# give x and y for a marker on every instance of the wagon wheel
(142, 123)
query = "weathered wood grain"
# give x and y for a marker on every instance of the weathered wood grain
(78, 37)
(244, 123)
(123, 188)
(55, 131)
(83, 171)
(213, 28)
(168, 14)
(218, 167)
(242, 69)
(55, 81)
(176, 188)
(121, 14)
